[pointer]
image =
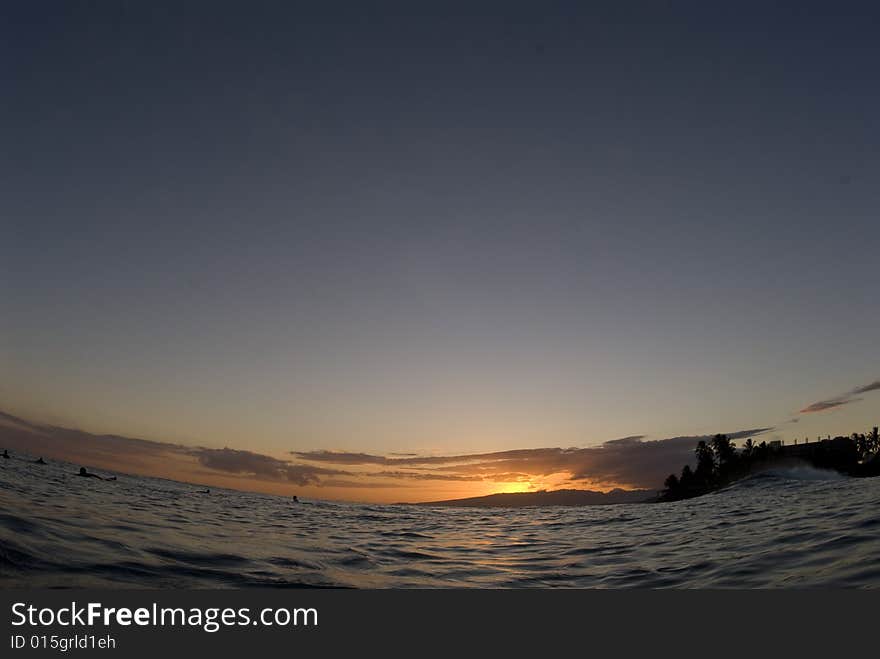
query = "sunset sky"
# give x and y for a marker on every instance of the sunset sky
(391, 252)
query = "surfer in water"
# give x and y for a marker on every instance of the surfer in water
(86, 474)
(6, 453)
(295, 499)
(39, 461)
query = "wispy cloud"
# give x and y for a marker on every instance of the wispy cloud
(874, 386)
(830, 404)
(852, 396)
(263, 466)
(630, 462)
(197, 464)
(343, 458)
(356, 484)
(423, 476)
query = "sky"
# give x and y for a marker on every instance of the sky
(307, 231)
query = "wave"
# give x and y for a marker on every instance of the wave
(799, 473)
(792, 525)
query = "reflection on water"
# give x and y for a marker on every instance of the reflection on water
(787, 529)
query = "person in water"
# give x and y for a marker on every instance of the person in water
(295, 499)
(85, 474)
(6, 454)
(39, 461)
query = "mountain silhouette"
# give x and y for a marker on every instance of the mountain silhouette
(551, 498)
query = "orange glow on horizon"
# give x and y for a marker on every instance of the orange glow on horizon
(372, 480)
(512, 487)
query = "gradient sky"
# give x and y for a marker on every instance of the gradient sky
(386, 229)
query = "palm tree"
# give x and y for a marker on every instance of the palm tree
(724, 452)
(705, 463)
(861, 443)
(687, 477)
(761, 451)
(671, 484)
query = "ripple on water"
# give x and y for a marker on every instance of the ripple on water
(768, 531)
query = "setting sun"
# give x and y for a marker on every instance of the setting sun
(512, 487)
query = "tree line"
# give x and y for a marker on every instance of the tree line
(719, 462)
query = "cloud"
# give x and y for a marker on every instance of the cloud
(266, 467)
(874, 386)
(623, 441)
(350, 483)
(151, 458)
(240, 462)
(630, 461)
(343, 458)
(80, 447)
(422, 476)
(829, 404)
(509, 477)
(851, 396)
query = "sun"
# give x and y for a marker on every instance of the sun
(512, 487)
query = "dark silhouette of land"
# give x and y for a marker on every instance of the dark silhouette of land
(720, 463)
(545, 498)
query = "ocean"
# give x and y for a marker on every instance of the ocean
(792, 528)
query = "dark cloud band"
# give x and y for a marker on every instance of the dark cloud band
(629, 461)
(850, 397)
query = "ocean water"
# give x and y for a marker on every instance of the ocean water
(793, 528)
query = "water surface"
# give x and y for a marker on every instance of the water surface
(789, 529)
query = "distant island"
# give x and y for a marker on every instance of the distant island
(719, 463)
(548, 498)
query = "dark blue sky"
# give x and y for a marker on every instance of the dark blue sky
(299, 226)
